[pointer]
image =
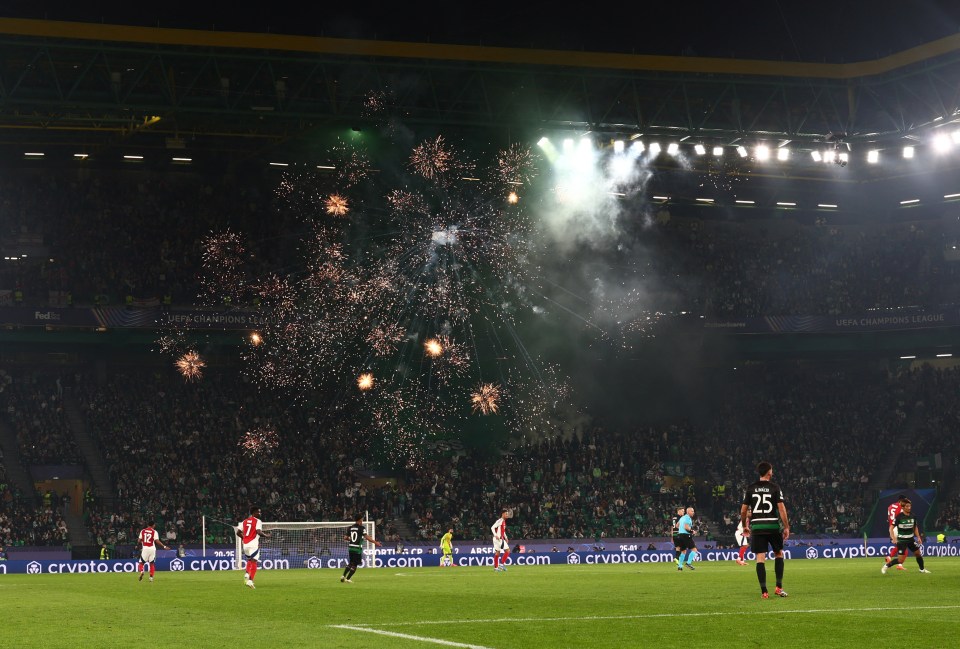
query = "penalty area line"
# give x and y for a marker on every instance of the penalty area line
(650, 616)
(406, 636)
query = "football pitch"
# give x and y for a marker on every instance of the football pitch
(832, 603)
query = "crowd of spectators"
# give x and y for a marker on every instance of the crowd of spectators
(32, 405)
(112, 234)
(179, 455)
(24, 522)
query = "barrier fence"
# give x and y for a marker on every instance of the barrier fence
(389, 559)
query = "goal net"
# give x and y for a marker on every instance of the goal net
(307, 545)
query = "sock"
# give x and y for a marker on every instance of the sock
(151, 569)
(691, 555)
(919, 559)
(890, 563)
(778, 568)
(353, 571)
(893, 551)
(503, 560)
(676, 555)
(346, 572)
(762, 576)
(686, 557)
(496, 559)
(253, 568)
(743, 551)
(140, 567)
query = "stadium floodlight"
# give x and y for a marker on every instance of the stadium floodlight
(785, 204)
(704, 200)
(543, 141)
(783, 153)
(718, 151)
(673, 148)
(35, 154)
(618, 146)
(830, 156)
(908, 152)
(844, 157)
(912, 201)
(907, 358)
(742, 150)
(942, 143)
(661, 198)
(816, 156)
(567, 144)
(279, 164)
(944, 355)
(637, 148)
(654, 149)
(831, 206)
(949, 196)
(81, 156)
(955, 136)
(700, 149)
(740, 202)
(762, 152)
(133, 157)
(873, 156)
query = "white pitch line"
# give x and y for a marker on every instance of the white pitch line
(769, 611)
(418, 638)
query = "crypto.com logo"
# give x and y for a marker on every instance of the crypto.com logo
(34, 568)
(573, 558)
(812, 553)
(176, 564)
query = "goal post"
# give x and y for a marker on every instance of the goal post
(310, 544)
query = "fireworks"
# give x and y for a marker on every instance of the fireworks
(512, 198)
(433, 347)
(256, 339)
(259, 441)
(385, 339)
(337, 205)
(365, 381)
(485, 398)
(190, 365)
(516, 165)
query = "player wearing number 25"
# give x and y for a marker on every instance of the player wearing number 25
(762, 515)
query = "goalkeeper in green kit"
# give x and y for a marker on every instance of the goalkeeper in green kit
(446, 548)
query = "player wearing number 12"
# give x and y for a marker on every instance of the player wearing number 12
(762, 514)
(148, 542)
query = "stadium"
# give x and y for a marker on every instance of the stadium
(479, 328)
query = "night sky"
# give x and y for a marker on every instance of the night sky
(815, 30)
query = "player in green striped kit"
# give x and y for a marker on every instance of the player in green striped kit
(906, 535)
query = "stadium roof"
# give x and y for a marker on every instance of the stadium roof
(101, 86)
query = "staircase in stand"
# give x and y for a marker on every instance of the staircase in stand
(89, 450)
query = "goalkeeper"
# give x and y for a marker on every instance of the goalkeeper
(446, 548)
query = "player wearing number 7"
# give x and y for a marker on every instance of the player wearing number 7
(250, 530)
(762, 514)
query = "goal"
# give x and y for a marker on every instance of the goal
(307, 545)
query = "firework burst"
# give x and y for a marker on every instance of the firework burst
(337, 205)
(258, 442)
(190, 365)
(365, 381)
(485, 398)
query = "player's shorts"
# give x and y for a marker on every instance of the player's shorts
(251, 550)
(741, 539)
(761, 540)
(903, 546)
(685, 542)
(356, 558)
(676, 541)
(148, 554)
(447, 551)
(501, 545)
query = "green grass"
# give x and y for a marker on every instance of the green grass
(832, 603)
